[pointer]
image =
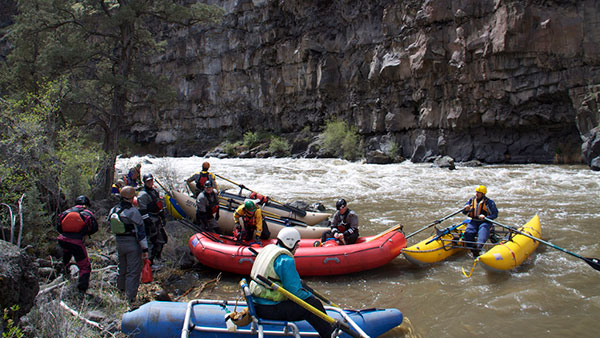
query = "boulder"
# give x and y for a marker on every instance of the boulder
(378, 157)
(590, 149)
(444, 162)
(18, 279)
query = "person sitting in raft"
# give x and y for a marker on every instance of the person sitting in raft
(202, 177)
(254, 228)
(276, 262)
(478, 208)
(344, 226)
(115, 190)
(134, 177)
(207, 209)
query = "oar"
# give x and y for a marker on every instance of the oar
(434, 223)
(294, 209)
(312, 309)
(446, 231)
(319, 295)
(593, 262)
(314, 292)
(294, 222)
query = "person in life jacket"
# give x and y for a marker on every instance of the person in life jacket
(254, 228)
(151, 208)
(344, 226)
(132, 245)
(115, 190)
(73, 224)
(478, 208)
(276, 262)
(133, 177)
(207, 209)
(199, 178)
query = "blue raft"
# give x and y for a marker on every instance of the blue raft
(166, 319)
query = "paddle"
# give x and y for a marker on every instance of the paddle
(434, 223)
(291, 221)
(312, 309)
(446, 231)
(593, 262)
(293, 209)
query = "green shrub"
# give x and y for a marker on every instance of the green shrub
(251, 139)
(341, 140)
(279, 146)
(229, 149)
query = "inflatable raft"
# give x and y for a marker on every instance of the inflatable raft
(436, 248)
(507, 254)
(183, 206)
(308, 217)
(330, 259)
(166, 320)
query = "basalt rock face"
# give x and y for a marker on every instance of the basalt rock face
(18, 279)
(489, 80)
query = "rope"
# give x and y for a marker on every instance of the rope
(472, 268)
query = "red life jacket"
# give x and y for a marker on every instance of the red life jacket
(201, 180)
(73, 221)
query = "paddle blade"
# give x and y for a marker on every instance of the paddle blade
(593, 262)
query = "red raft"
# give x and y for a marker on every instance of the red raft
(222, 253)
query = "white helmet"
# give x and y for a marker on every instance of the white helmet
(288, 237)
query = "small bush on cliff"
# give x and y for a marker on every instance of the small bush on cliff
(341, 140)
(251, 139)
(279, 147)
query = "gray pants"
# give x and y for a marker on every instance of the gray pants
(130, 265)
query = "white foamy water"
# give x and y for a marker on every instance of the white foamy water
(552, 294)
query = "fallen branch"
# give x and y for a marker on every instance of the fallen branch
(79, 316)
(205, 284)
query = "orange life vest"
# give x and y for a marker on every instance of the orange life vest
(478, 208)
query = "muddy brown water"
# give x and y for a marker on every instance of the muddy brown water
(552, 294)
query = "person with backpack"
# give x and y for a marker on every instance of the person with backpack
(200, 178)
(132, 247)
(73, 225)
(151, 208)
(207, 209)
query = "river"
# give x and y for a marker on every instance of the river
(552, 294)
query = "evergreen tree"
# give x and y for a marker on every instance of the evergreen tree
(103, 47)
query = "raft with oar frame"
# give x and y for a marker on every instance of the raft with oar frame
(166, 320)
(180, 205)
(222, 253)
(507, 254)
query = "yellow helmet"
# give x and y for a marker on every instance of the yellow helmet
(482, 189)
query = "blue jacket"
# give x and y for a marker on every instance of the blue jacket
(285, 267)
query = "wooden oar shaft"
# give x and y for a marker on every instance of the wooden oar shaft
(293, 209)
(307, 306)
(434, 223)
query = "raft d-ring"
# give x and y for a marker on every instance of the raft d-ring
(335, 259)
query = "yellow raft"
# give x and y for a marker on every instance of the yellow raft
(510, 254)
(428, 251)
(506, 255)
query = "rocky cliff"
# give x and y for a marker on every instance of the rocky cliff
(493, 80)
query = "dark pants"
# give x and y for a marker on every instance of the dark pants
(347, 239)
(156, 235)
(290, 311)
(75, 248)
(481, 229)
(248, 234)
